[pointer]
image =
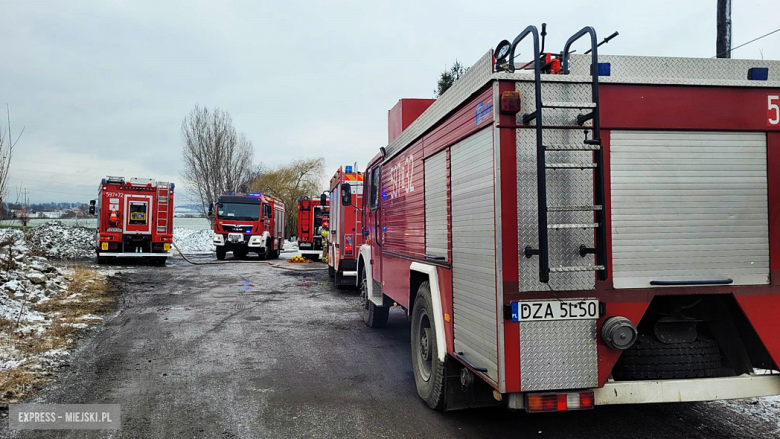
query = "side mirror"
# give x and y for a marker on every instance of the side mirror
(91, 207)
(211, 210)
(323, 199)
(346, 194)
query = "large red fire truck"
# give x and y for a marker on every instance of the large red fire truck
(135, 219)
(346, 228)
(312, 214)
(583, 231)
(248, 223)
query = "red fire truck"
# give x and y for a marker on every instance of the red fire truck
(583, 230)
(312, 213)
(248, 223)
(346, 228)
(135, 219)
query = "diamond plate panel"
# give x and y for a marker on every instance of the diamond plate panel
(684, 71)
(376, 291)
(565, 187)
(558, 355)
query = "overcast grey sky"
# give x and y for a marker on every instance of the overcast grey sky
(102, 86)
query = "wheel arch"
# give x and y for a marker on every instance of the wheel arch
(420, 273)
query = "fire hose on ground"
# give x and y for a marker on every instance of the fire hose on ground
(272, 264)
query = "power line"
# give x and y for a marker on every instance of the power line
(745, 44)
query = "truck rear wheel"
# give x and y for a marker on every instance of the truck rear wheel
(428, 369)
(221, 253)
(374, 316)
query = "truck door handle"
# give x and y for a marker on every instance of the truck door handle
(436, 258)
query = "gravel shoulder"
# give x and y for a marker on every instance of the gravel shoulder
(249, 350)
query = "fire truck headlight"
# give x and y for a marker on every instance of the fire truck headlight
(218, 239)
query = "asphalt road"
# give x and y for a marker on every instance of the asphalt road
(248, 350)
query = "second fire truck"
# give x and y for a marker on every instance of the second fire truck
(248, 223)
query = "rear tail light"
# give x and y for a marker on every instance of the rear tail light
(348, 245)
(559, 402)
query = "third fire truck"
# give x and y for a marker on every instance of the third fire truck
(575, 230)
(312, 214)
(346, 228)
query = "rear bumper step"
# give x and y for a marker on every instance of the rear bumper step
(134, 255)
(688, 390)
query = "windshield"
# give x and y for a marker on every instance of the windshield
(238, 211)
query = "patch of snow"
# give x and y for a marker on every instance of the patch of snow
(192, 241)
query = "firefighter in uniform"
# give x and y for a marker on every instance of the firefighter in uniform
(324, 233)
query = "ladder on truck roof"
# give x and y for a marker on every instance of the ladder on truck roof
(592, 146)
(163, 206)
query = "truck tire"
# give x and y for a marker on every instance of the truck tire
(649, 359)
(374, 316)
(221, 253)
(428, 369)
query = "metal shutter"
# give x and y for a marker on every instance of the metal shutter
(474, 251)
(688, 206)
(436, 205)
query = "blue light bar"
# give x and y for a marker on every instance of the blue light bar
(255, 194)
(348, 169)
(758, 74)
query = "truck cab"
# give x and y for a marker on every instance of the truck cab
(248, 223)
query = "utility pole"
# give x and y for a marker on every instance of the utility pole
(723, 43)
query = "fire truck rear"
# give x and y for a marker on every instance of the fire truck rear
(250, 223)
(346, 229)
(312, 213)
(576, 230)
(135, 219)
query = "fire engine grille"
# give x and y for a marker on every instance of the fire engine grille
(558, 355)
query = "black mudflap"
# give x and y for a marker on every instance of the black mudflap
(478, 394)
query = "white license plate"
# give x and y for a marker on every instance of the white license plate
(235, 237)
(547, 310)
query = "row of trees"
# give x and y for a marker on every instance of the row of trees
(217, 159)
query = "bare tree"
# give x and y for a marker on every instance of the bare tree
(6, 154)
(297, 179)
(216, 159)
(23, 206)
